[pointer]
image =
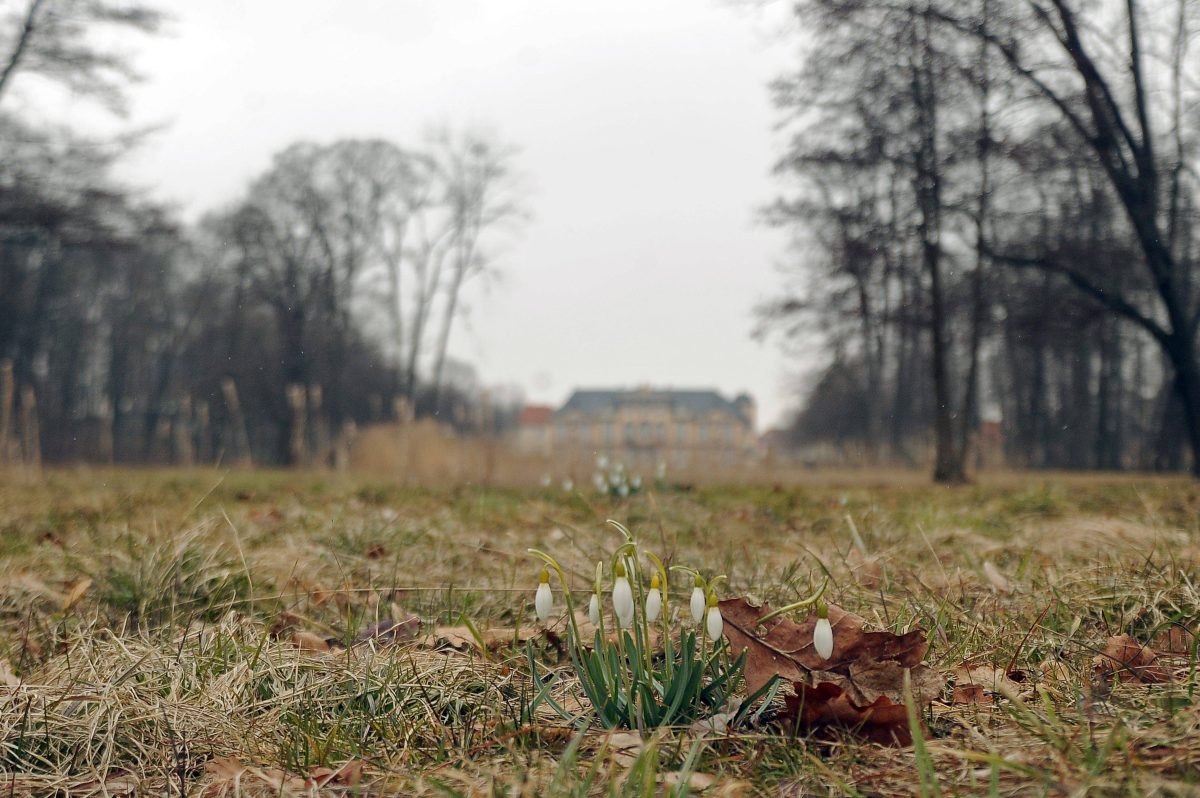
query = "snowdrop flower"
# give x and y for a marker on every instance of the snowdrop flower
(602, 462)
(823, 633)
(622, 597)
(636, 482)
(653, 600)
(568, 485)
(623, 490)
(698, 602)
(594, 609)
(543, 600)
(600, 482)
(714, 623)
(545, 480)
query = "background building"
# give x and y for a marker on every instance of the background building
(644, 427)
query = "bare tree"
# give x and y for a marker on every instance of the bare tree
(1103, 90)
(53, 39)
(481, 196)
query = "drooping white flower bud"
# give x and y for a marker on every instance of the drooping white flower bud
(543, 600)
(823, 633)
(622, 597)
(653, 600)
(714, 622)
(594, 610)
(698, 603)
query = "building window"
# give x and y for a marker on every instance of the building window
(608, 433)
(628, 432)
(660, 433)
(680, 433)
(645, 432)
(703, 434)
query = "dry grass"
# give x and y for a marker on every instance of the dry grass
(147, 618)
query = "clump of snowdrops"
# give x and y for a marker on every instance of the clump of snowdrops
(644, 665)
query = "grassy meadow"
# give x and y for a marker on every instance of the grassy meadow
(192, 633)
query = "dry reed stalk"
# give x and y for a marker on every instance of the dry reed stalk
(31, 439)
(239, 439)
(6, 408)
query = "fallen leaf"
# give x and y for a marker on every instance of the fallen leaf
(7, 677)
(694, 781)
(348, 775)
(882, 721)
(390, 631)
(376, 551)
(75, 594)
(1129, 661)
(860, 686)
(975, 684)
(307, 641)
(230, 771)
(785, 647)
(999, 581)
(624, 747)
(869, 680)
(117, 783)
(1174, 640)
(866, 569)
(970, 693)
(460, 637)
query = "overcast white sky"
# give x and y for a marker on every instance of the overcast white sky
(646, 135)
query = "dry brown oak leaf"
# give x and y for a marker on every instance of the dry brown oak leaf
(860, 686)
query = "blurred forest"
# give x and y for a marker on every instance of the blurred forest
(323, 298)
(994, 205)
(994, 208)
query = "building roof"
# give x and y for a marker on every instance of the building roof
(534, 415)
(681, 402)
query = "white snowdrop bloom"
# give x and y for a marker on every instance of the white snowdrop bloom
(823, 633)
(543, 600)
(698, 603)
(594, 609)
(622, 490)
(636, 482)
(622, 598)
(653, 600)
(714, 622)
(545, 480)
(600, 482)
(568, 485)
(602, 462)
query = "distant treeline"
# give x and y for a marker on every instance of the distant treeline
(995, 214)
(323, 297)
(326, 295)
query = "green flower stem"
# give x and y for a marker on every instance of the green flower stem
(808, 602)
